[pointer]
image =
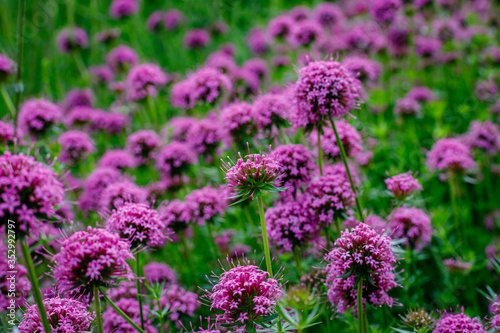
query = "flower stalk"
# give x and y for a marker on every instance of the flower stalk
(138, 284)
(123, 314)
(265, 240)
(98, 314)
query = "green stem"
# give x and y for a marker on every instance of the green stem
(20, 46)
(296, 257)
(344, 159)
(8, 101)
(98, 315)
(121, 313)
(339, 226)
(185, 253)
(360, 306)
(70, 12)
(34, 283)
(320, 153)
(161, 315)
(454, 207)
(265, 241)
(212, 240)
(138, 284)
(153, 111)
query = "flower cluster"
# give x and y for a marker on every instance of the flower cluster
(37, 115)
(349, 136)
(95, 184)
(494, 321)
(412, 224)
(160, 272)
(174, 159)
(177, 214)
(72, 39)
(180, 302)
(142, 144)
(117, 194)
(21, 282)
(122, 57)
(484, 136)
(402, 185)
(113, 322)
(117, 158)
(450, 154)
(271, 110)
(209, 202)
(75, 146)
(297, 164)
(205, 136)
(458, 322)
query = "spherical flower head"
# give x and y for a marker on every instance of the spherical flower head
(305, 33)
(180, 127)
(29, 191)
(271, 110)
(178, 214)
(252, 175)
(413, 225)
(173, 19)
(6, 132)
(398, 38)
(144, 78)
(21, 283)
(205, 136)
(402, 185)
(360, 253)
(324, 89)
(114, 322)
(196, 39)
(299, 13)
(138, 224)
(101, 74)
(245, 82)
(76, 97)
(421, 94)
(117, 158)
(64, 315)
(349, 136)
(297, 164)
(291, 225)
(258, 41)
(95, 184)
(494, 321)
(36, 116)
(174, 159)
(281, 61)
(181, 303)
(209, 85)
(182, 94)
(486, 91)
(418, 319)
(460, 322)
(142, 144)
(7, 67)
(154, 20)
(339, 169)
(160, 272)
(362, 68)
(119, 193)
(257, 66)
(209, 201)
(280, 27)
(329, 196)
(72, 39)
(328, 15)
(91, 258)
(384, 11)
(122, 57)
(123, 8)
(124, 289)
(427, 47)
(75, 146)
(237, 119)
(222, 61)
(108, 36)
(219, 28)
(484, 136)
(109, 122)
(407, 106)
(245, 293)
(450, 155)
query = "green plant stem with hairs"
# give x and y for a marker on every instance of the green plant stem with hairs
(123, 314)
(265, 241)
(20, 46)
(344, 159)
(138, 284)
(34, 284)
(98, 314)
(361, 328)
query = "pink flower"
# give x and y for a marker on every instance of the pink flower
(451, 155)
(209, 202)
(412, 224)
(403, 185)
(37, 116)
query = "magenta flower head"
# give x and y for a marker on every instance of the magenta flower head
(494, 321)
(360, 253)
(245, 293)
(221, 61)
(175, 159)
(362, 68)
(118, 158)
(108, 36)
(121, 58)
(407, 107)
(123, 8)
(328, 15)
(91, 258)
(385, 11)
(113, 322)
(450, 155)
(95, 184)
(398, 39)
(64, 315)
(258, 41)
(138, 224)
(349, 136)
(178, 214)
(486, 91)
(237, 120)
(427, 47)
(160, 272)
(196, 39)
(329, 197)
(180, 127)
(413, 225)
(258, 67)
(101, 74)
(173, 19)
(21, 283)
(305, 33)
(109, 122)
(324, 89)
(181, 303)
(143, 80)
(7, 67)
(280, 27)
(421, 94)
(75, 146)
(297, 165)
(252, 176)
(271, 110)
(142, 144)
(36, 116)
(205, 136)
(402, 185)
(459, 322)
(291, 225)
(209, 202)
(76, 97)
(484, 136)
(72, 39)
(299, 13)
(245, 82)
(154, 20)
(120, 193)
(6, 133)
(29, 191)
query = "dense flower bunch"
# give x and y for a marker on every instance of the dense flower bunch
(109, 122)
(119, 193)
(412, 224)
(65, 316)
(458, 322)
(6, 132)
(305, 33)
(95, 184)
(362, 68)
(123, 8)
(329, 196)
(360, 253)
(280, 26)
(245, 293)
(297, 164)
(418, 319)
(252, 175)
(407, 106)
(174, 159)
(7, 67)
(29, 191)
(138, 224)
(143, 79)
(160, 272)
(142, 144)
(180, 127)
(76, 97)
(421, 94)
(349, 136)
(90, 258)
(291, 225)
(117, 158)
(72, 39)
(124, 289)
(271, 110)
(122, 57)
(237, 119)
(173, 19)
(113, 322)
(494, 321)
(402, 185)
(37, 115)
(180, 301)
(209, 203)
(75, 146)
(101, 74)
(324, 89)
(384, 11)
(205, 136)
(328, 15)
(21, 282)
(450, 154)
(196, 39)
(177, 214)
(484, 136)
